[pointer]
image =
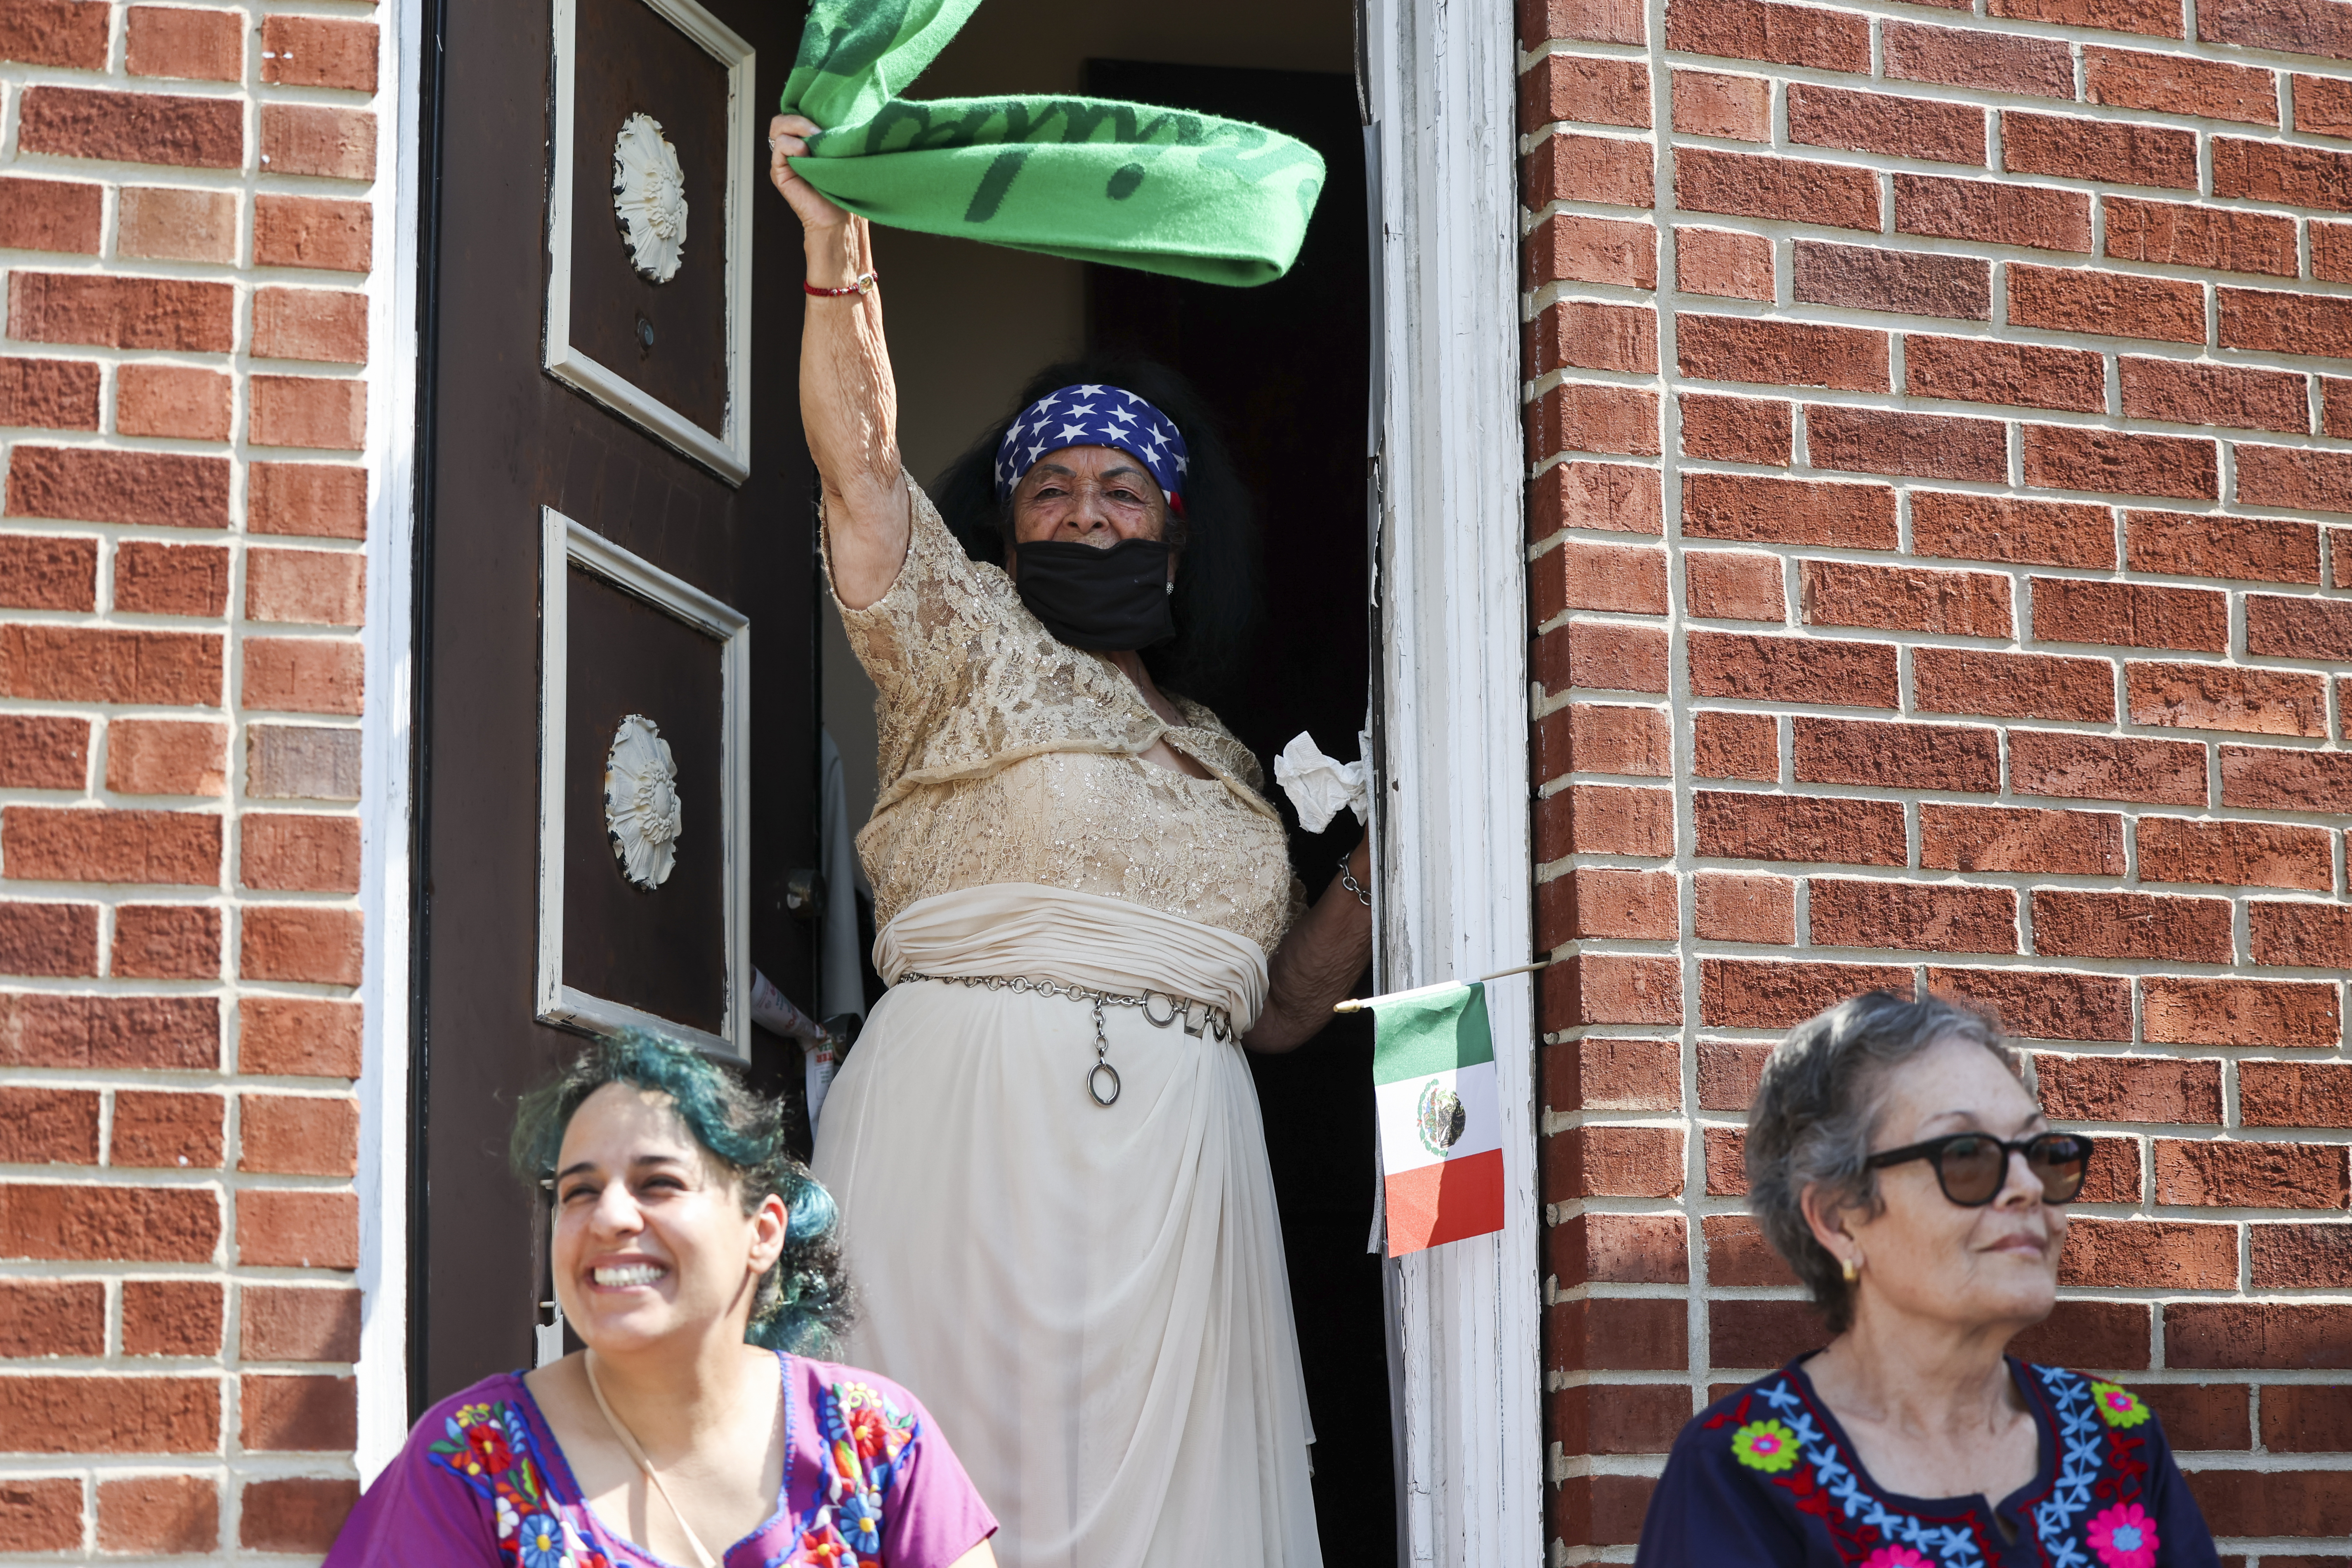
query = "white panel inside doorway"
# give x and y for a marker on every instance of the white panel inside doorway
(1454, 851)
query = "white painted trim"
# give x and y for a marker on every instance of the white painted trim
(727, 452)
(386, 736)
(1454, 862)
(562, 544)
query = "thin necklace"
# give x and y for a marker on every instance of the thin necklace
(701, 1553)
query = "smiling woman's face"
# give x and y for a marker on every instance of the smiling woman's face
(1923, 1255)
(651, 1239)
(1092, 495)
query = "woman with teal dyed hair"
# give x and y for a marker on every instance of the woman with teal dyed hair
(696, 1259)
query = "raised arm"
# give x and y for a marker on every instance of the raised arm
(850, 404)
(1317, 963)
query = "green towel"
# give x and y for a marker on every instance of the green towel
(1157, 189)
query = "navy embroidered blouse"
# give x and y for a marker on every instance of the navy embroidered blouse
(1766, 1476)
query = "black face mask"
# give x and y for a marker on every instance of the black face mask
(1109, 601)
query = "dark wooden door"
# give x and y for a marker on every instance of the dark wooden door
(1287, 369)
(505, 440)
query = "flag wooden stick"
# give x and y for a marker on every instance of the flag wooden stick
(1358, 1004)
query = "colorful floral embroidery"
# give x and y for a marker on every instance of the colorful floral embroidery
(820, 1545)
(2125, 1537)
(2093, 1513)
(2118, 1406)
(864, 1437)
(2097, 1460)
(488, 1447)
(1765, 1446)
(1894, 1556)
(1807, 1462)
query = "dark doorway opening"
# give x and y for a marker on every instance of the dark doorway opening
(1287, 369)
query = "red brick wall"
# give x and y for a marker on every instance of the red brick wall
(185, 237)
(1940, 438)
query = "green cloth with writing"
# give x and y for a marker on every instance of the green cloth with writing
(1161, 190)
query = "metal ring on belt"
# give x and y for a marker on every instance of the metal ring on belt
(1197, 1016)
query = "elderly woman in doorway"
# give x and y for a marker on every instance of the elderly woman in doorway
(1046, 1145)
(694, 1257)
(1901, 1166)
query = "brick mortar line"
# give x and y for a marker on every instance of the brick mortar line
(238, 450)
(260, 1465)
(241, 367)
(1860, 556)
(1903, 485)
(162, 621)
(1955, 408)
(244, 279)
(1698, 1327)
(2197, 1132)
(126, 987)
(2123, 1295)
(1897, 164)
(1755, 1035)
(237, 530)
(65, 707)
(47, 891)
(1900, 163)
(1803, 313)
(1985, 413)
(1912, 958)
(1542, 297)
(252, 87)
(106, 1082)
(1946, 794)
(2139, 729)
(2077, 36)
(114, 177)
(115, 174)
(192, 1080)
(2017, 573)
(224, 1180)
(135, 1271)
(2096, 258)
(258, 274)
(226, 1362)
(2086, 36)
(1991, 101)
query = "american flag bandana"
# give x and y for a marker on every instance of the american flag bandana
(1093, 415)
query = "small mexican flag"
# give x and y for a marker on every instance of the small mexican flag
(1441, 1120)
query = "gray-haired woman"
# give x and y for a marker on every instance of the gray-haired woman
(1898, 1161)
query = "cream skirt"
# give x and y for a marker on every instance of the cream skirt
(1090, 1302)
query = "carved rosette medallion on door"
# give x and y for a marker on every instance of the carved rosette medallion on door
(653, 134)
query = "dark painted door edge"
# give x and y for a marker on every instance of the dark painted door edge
(420, 751)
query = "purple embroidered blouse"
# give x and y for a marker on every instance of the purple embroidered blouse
(868, 1483)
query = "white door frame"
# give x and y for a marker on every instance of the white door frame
(1451, 584)
(387, 712)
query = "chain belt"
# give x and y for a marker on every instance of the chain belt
(1196, 1016)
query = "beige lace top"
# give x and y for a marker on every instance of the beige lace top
(1008, 756)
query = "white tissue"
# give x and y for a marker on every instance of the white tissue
(1318, 786)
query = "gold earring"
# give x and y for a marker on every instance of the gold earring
(1853, 1270)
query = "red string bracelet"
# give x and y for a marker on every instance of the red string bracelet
(865, 281)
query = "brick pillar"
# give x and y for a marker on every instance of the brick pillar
(185, 221)
(1939, 466)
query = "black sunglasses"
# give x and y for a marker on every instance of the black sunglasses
(1973, 1167)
